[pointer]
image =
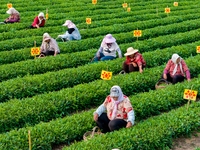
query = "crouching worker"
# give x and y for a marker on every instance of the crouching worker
(72, 33)
(39, 21)
(14, 16)
(134, 61)
(49, 46)
(116, 112)
(108, 49)
(175, 70)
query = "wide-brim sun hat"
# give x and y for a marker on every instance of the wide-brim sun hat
(67, 22)
(109, 39)
(130, 51)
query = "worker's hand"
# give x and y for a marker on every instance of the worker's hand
(134, 64)
(96, 116)
(141, 70)
(165, 76)
(128, 125)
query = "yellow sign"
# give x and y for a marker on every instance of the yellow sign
(35, 51)
(9, 5)
(88, 20)
(190, 94)
(137, 33)
(94, 2)
(167, 10)
(47, 16)
(175, 3)
(124, 5)
(129, 9)
(106, 75)
(198, 49)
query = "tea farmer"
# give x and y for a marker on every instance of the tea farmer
(39, 21)
(49, 46)
(116, 112)
(108, 49)
(72, 33)
(176, 70)
(14, 16)
(134, 61)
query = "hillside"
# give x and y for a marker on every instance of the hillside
(54, 97)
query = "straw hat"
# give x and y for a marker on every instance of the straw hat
(109, 39)
(130, 51)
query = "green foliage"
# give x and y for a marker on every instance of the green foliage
(31, 111)
(145, 135)
(79, 87)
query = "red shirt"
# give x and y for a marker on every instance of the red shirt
(36, 21)
(170, 68)
(138, 59)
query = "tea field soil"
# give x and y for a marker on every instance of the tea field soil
(187, 143)
(182, 143)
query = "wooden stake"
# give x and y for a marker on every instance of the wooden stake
(29, 139)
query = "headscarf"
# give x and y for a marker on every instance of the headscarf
(120, 99)
(108, 39)
(40, 14)
(174, 59)
(12, 11)
(46, 36)
(69, 24)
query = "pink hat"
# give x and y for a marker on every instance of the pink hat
(109, 39)
(69, 24)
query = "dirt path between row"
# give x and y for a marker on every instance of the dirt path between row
(189, 143)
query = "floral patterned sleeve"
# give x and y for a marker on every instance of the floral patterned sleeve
(127, 105)
(107, 100)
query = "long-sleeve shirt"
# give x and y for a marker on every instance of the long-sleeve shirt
(74, 32)
(36, 22)
(170, 68)
(51, 46)
(124, 109)
(110, 51)
(13, 18)
(138, 59)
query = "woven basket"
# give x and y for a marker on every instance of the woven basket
(162, 83)
(90, 134)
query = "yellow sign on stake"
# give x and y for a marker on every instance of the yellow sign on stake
(88, 20)
(175, 3)
(167, 10)
(94, 2)
(190, 94)
(29, 139)
(124, 5)
(198, 49)
(9, 5)
(106, 75)
(137, 33)
(47, 15)
(35, 51)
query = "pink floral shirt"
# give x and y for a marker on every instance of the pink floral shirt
(122, 109)
(170, 67)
